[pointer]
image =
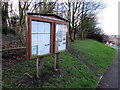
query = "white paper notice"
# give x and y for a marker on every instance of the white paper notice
(47, 39)
(34, 26)
(47, 43)
(41, 39)
(41, 27)
(41, 49)
(47, 27)
(46, 49)
(34, 39)
(61, 31)
(34, 50)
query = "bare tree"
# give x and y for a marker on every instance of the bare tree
(73, 13)
(43, 7)
(38, 7)
(76, 14)
(89, 11)
(23, 9)
(5, 17)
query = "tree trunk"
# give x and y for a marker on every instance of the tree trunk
(75, 33)
(82, 37)
(22, 23)
(71, 36)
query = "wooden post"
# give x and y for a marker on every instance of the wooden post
(39, 65)
(56, 62)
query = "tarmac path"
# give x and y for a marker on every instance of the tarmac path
(111, 77)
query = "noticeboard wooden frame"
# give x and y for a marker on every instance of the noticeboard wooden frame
(52, 38)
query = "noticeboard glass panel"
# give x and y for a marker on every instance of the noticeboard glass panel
(61, 37)
(40, 38)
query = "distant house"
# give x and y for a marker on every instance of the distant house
(113, 40)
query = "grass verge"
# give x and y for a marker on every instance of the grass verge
(98, 55)
(72, 74)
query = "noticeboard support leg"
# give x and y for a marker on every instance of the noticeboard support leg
(39, 66)
(28, 75)
(56, 62)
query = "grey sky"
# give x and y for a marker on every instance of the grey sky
(108, 17)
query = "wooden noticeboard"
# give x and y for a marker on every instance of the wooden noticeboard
(46, 35)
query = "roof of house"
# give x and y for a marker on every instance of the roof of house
(49, 14)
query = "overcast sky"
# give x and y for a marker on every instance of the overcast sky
(108, 18)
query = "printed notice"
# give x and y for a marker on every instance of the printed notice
(61, 31)
(34, 50)
(40, 38)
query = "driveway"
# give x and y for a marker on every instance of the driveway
(110, 78)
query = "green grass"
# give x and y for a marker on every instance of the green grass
(97, 54)
(72, 74)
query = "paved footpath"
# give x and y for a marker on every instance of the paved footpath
(110, 78)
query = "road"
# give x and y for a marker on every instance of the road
(110, 78)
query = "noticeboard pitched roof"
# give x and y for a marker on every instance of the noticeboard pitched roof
(49, 14)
